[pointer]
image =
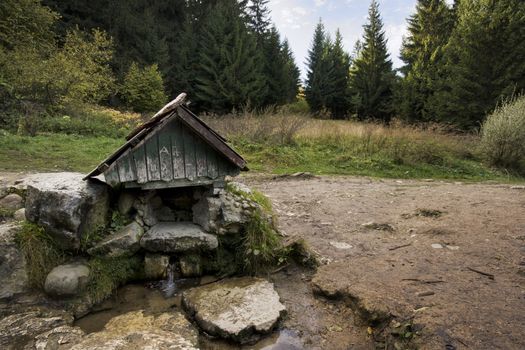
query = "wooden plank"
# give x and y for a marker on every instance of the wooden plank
(166, 166)
(152, 159)
(189, 155)
(125, 169)
(177, 149)
(111, 159)
(211, 162)
(139, 155)
(111, 175)
(200, 157)
(154, 185)
(179, 100)
(211, 138)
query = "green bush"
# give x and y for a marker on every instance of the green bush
(90, 121)
(40, 252)
(143, 88)
(503, 135)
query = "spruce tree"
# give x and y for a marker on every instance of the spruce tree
(429, 30)
(339, 100)
(274, 69)
(229, 75)
(372, 77)
(485, 61)
(318, 85)
(293, 74)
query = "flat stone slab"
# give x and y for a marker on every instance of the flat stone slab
(124, 242)
(240, 309)
(136, 330)
(178, 237)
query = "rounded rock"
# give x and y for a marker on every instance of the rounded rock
(67, 280)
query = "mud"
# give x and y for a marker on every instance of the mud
(458, 275)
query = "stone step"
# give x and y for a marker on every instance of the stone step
(178, 237)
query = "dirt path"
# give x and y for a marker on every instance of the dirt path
(447, 257)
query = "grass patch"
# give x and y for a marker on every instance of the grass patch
(285, 144)
(40, 252)
(54, 152)
(107, 274)
(261, 245)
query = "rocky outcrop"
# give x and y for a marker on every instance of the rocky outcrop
(67, 280)
(12, 263)
(177, 237)
(135, 330)
(66, 206)
(124, 242)
(19, 329)
(223, 213)
(60, 338)
(240, 309)
(12, 202)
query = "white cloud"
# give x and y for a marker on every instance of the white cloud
(319, 2)
(394, 34)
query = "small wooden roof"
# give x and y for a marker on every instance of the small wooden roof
(173, 112)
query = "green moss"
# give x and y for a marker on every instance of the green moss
(107, 274)
(40, 252)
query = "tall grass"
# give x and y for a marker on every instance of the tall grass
(282, 142)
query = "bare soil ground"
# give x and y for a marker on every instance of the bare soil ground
(447, 258)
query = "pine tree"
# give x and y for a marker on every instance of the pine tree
(339, 100)
(318, 84)
(229, 75)
(429, 30)
(258, 17)
(274, 69)
(372, 77)
(293, 74)
(485, 61)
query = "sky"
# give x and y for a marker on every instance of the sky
(296, 20)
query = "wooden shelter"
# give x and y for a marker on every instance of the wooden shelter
(173, 149)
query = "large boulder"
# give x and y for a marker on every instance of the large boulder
(135, 330)
(240, 309)
(66, 206)
(67, 280)
(223, 213)
(124, 242)
(12, 264)
(177, 237)
(12, 202)
(18, 329)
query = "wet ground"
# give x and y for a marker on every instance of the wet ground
(447, 256)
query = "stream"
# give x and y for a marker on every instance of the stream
(163, 296)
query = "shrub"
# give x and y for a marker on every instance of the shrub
(503, 135)
(143, 88)
(40, 253)
(91, 120)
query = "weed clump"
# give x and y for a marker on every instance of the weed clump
(107, 274)
(260, 245)
(40, 252)
(503, 136)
